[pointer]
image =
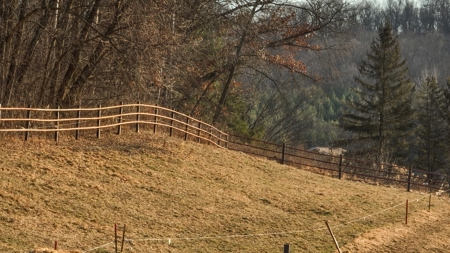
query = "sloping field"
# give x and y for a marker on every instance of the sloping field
(177, 196)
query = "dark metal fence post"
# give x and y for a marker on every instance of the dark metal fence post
(27, 124)
(138, 116)
(77, 133)
(99, 114)
(409, 179)
(57, 124)
(340, 167)
(119, 127)
(283, 153)
(286, 248)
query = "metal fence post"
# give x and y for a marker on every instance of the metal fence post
(340, 167)
(283, 152)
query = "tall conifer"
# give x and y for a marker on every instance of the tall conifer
(431, 127)
(380, 113)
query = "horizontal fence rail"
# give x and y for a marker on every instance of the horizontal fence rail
(92, 121)
(340, 166)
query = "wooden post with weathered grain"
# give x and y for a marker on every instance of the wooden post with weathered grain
(406, 214)
(408, 188)
(99, 114)
(155, 126)
(77, 132)
(138, 116)
(28, 123)
(340, 167)
(57, 124)
(119, 127)
(283, 152)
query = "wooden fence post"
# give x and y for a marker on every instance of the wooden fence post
(186, 129)
(172, 116)
(340, 167)
(283, 152)
(57, 124)
(77, 133)
(119, 127)
(138, 116)
(286, 248)
(210, 135)
(429, 203)
(27, 123)
(218, 139)
(99, 114)
(1, 122)
(406, 215)
(334, 238)
(408, 188)
(226, 141)
(155, 126)
(198, 131)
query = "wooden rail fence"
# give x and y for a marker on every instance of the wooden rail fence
(89, 120)
(92, 121)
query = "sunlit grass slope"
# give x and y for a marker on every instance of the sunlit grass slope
(197, 197)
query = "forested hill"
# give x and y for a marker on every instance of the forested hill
(273, 70)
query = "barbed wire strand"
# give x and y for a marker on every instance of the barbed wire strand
(170, 239)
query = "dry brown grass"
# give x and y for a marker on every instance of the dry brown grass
(74, 192)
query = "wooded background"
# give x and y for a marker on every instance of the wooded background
(274, 70)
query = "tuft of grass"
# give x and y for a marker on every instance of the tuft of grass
(198, 197)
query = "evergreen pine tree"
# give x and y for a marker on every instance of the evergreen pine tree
(380, 113)
(431, 127)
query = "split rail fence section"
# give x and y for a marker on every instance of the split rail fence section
(95, 121)
(343, 167)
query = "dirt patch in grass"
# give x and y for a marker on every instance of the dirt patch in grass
(177, 196)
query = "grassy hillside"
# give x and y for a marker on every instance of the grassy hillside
(203, 198)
